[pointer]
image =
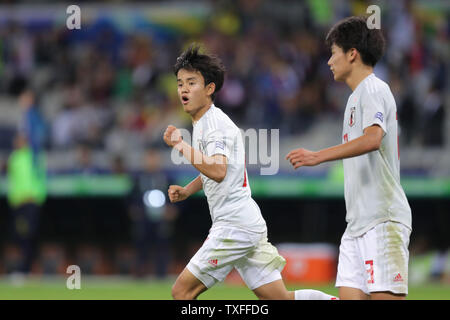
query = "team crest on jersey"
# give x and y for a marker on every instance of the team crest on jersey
(351, 122)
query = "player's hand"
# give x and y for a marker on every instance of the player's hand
(177, 193)
(172, 136)
(302, 157)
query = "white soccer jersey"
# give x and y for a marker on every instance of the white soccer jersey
(230, 202)
(373, 193)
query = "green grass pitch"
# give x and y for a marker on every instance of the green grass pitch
(147, 289)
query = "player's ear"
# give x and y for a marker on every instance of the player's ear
(210, 88)
(352, 54)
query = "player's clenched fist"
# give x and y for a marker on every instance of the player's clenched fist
(172, 136)
(177, 193)
(302, 157)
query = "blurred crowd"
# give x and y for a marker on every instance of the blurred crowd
(112, 89)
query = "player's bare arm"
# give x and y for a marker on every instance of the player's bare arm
(368, 142)
(179, 193)
(214, 167)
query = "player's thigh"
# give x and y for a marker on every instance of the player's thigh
(348, 293)
(220, 253)
(261, 266)
(187, 286)
(384, 250)
(351, 274)
(275, 290)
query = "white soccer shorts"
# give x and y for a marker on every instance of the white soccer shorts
(377, 260)
(225, 248)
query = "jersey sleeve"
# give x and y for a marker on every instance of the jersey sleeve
(373, 110)
(220, 141)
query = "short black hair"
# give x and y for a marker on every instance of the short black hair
(352, 32)
(210, 66)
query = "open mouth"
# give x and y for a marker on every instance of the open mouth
(184, 99)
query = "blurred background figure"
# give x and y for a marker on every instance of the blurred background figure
(26, 174)
(433, 117)
(85, 164)
(152, 217)
(32, 123)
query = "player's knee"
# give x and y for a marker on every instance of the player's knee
(180, 293)
(274, 291)
(176, 292)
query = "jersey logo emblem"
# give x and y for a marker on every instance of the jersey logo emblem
(213, 262)
(351, 122)
(398, 278)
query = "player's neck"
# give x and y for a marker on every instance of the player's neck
(357, 75)
(201, 111)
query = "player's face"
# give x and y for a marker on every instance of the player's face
(193, 93)
(339, 63)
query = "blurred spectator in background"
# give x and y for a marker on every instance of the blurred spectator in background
(32, 123)
(85, 164)
(26, 174)
(152, 216)
(118, 166)
(64, 127)
(433, 117)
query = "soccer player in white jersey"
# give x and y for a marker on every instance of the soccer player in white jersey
(238, 235)
(373, 255)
